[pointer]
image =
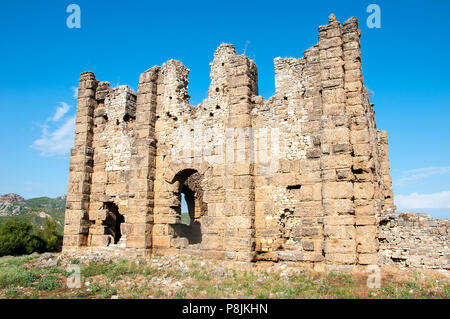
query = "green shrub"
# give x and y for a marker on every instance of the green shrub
(50, 282)
(102, 290)
(181, 294)
(11, 293)
(53, 240)
(18, 238)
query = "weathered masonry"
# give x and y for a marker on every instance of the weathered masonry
(302, 177)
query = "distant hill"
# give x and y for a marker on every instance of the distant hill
(11, 198)
(34, 210)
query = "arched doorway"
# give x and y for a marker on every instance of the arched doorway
(191, 193)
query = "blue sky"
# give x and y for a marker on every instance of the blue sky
(405, 64)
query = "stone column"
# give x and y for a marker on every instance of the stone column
(239, 237)
(363, 140)
(76, 224)
(139, 219)
(388, 194)
(336, 159)
(171, 101)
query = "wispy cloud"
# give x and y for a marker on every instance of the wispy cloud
(58, 141)
(57, 133)
(422, 173)
(75, 92)
(421, 201)
(60, 111)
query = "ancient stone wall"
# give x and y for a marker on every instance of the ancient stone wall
(302, 177)
(415, 240)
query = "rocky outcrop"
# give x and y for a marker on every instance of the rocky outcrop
(11, 198)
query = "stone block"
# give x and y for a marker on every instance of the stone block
(337, 190)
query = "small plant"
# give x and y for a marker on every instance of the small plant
(159, 293)
(93, 269)
(262, 295)
(11, 293)
(49, 282)
(180, 294)
(107, 292)
(117, 270)
(52, 270)
(200, 275)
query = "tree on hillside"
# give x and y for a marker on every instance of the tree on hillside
(19, 238)
(53, 240)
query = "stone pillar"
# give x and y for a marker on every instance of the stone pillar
(76, 224)
(336, 159)
(139, 219)
(388, 194)
(171, 101)
(363, 140)
(241, 85)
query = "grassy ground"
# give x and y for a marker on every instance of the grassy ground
(193, 278)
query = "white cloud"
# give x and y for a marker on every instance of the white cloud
(75, 92)
(57, 132)
(56, 142)
(422, 173)
(60, 111)
(421, 201)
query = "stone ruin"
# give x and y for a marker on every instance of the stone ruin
(302, 177)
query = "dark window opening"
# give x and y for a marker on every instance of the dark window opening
(293, 187)
(384, 222)
(191, 205)
(113, 221)
(100, 103)
(127, 117)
